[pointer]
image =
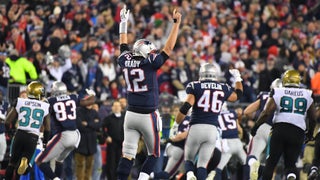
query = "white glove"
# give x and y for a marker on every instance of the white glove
(236, 74)
(124, 16)
(174, 130)
(90, 92)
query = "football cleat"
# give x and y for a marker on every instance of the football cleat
(291, 78)
(254, 169)
(23, 166)
(35, 90)
(313, 174)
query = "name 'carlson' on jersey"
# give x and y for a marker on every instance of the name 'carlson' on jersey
(141, 79)
(209, 98)
(63, 111)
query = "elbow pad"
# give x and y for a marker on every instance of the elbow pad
(239, 93)
(185, 108)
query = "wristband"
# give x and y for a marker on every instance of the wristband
(175, 20)
(123, 27)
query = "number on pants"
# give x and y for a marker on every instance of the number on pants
(135, 85)
(61, 110)
(32, 118)
(297, 106)
(215, 104)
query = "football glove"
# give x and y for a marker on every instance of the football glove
(236, 74)
(90, 92)
(124, 16)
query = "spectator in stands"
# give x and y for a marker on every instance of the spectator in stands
(20, 67)
(315, 81)
(107, 66)
(113, 129)
(4, 72)
(180, 75)
(88, 123)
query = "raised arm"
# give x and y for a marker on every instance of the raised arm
(171, 41)
(123, 26)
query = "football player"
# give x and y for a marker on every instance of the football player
(230, 143)
(63, 112)
(31, 112)
(290, 106)
(174, 150)
(260, 136)
(139, 68)
(206, 97)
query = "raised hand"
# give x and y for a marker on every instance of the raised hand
(124, 14)
(176, 16)
(236, 74)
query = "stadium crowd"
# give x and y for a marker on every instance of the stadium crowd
(260, 38)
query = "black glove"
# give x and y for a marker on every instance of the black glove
(308, 137)
(254, 130)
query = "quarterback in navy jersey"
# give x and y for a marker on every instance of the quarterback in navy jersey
(139, 68)
(206, 97)
(63, 113)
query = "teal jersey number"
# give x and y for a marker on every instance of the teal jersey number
(35, 114)
(297, 106)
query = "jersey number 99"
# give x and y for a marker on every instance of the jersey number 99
(289, 105)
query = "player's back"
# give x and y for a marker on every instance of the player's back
(228, 124)
(141, 79)
(292, 105)
(63, 111)
(31, 113)
(209, 97)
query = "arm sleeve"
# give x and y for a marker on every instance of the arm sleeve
(30, 69)
(228, 90)
(190, 88)
(157, 60)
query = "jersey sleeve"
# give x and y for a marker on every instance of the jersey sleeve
(157, 60)
(190, 88)
(228, 90)
(126, 55)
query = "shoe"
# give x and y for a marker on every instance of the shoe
(23, 166)
(254, 169)
(191, 176)
(313, 174)
(211, 175)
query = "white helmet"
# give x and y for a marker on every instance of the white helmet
(64, 51)
(277, 83)
(58, 88)
(143, 48)
(208, 72)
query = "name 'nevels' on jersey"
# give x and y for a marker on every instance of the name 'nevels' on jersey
(141, 80)
(64, 108)
(209, 97)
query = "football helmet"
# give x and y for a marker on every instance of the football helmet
(208, 72)
(291, 78)
(64, 51)
(276, 83)
(58, 88)
(143, 48)
(35, 90)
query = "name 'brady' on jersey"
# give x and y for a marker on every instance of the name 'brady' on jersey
(141, 79)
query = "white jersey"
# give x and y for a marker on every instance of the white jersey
(31, 113)
(292, 105)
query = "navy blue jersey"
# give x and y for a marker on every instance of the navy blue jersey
(263, 96)
(3, 110)
(183, 126)
(209, 97)
(141, 79)
(63, 111)
(228, 124)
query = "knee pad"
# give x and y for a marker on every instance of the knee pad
(129, 150)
